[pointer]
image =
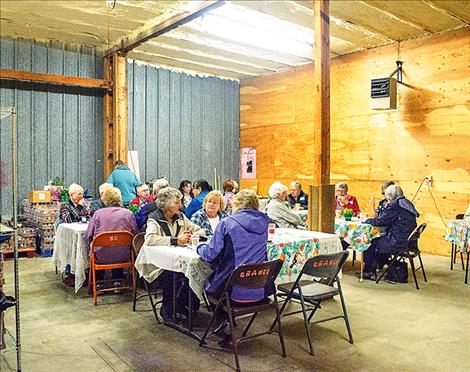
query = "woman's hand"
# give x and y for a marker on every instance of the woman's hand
(81, 202)
(184, 238)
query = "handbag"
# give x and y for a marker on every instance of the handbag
(397, 273)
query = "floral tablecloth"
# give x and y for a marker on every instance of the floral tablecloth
(294, 247)
(357, 233)
(458, 232)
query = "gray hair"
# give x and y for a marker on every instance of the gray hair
(245, 199)
(276, 189)
(74, 188)
(393, 192)
(112, 197)
(103, 187)
(159, 184)
(296, 184)
(341, 185)
(168, 196)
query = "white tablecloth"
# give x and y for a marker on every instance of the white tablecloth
(70, 248)
(152, 260)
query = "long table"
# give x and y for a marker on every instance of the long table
(71, 248)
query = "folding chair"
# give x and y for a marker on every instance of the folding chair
(137, 243)
(249, 276)
(110, 240)
(455, 249)
(312, 293)
(410, 252)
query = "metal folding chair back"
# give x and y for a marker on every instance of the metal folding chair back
(310, 293)
(249, 276)
(110, 240)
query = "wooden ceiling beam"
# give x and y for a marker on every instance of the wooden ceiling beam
(38, 77)
(129, 43)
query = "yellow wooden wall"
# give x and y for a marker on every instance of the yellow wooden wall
(428, 134)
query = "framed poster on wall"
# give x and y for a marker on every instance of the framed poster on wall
(248, 162)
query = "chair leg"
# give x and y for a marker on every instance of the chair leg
(314, 310)
(95, 295)
(422, 267)
(233, 335)
(152, 304)
(452, 256)
(206, 302)
(249, 324)
(466, 270)
(279, 328)
(134, 301)
(307, 328)
(461, 259)
(202, 342)
(345, 313)
(412, 264)
(353, 258)
(393, 261)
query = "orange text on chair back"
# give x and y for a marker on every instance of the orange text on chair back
(248, 273)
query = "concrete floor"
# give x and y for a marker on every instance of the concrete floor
(395, 328)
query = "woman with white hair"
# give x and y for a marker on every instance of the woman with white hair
(159, 184)
(399, 219)
(168, 226)
(74, 209)
(278, 210)
(98, 203)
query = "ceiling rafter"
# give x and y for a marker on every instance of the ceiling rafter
(436, 5)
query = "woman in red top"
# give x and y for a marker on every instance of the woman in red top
(343, 200)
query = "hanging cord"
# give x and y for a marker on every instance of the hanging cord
(432, 196)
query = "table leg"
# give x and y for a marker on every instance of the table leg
(174, 297)
(362, 267)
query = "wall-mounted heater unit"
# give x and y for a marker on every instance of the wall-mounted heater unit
(383, 93)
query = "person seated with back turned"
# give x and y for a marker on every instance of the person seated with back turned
(211, 214)
(344, 200)
(112, 218)
(167, 226)
(277, 208)
(297, 195)
(377, 210)
(98, 203)
(125, 180)
(74, 209)
(159, 184)
(238, 239)
(143, 196)
(200, 189)
(399, 219)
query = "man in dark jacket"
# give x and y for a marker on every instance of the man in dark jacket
(399, 219)
(297, 196)
(238, 239)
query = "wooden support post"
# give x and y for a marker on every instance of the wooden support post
(115, 129)
(324, 200)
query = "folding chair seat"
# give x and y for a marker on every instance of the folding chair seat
(151, 289)
(310, 293)
(110, 240)
(455, 249)
(266, 274)
(409, 252)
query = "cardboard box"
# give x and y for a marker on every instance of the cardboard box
(40, 196)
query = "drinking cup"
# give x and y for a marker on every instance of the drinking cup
(338, 213)
(271, 229)
(195, 240)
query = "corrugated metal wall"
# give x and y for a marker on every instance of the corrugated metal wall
(59, 128)
(183, 126)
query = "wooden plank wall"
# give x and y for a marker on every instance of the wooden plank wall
(428, 134)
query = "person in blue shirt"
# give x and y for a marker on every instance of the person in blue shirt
(200, 189)
(125, 180)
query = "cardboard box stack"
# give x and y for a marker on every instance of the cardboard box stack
(42, 216)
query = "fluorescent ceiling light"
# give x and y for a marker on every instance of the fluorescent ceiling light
(254, 28)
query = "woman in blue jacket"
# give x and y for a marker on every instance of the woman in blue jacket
(200, 189)
(399, 219)
(238, 239)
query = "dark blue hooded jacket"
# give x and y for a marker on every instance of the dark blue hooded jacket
(238, 239)
(399, 218)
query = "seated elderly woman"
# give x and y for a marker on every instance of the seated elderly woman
(344, 200)
(211, 214)
(377, 210)
(278, 209)
(239, 239)
(168, 226)
(74, 209)
(111, 218)
(98, 203)
(143, 196)
(159, 184)
(399, 219)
